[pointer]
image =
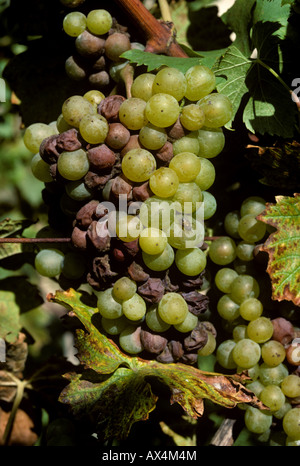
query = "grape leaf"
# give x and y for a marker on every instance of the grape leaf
(115, 388)
(239, 18)
(283, 247)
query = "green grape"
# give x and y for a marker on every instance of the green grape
(94, 97)
(130, 341)
(224, 278)
(256, 387)
(40, 169)
(224, 354)
(154, 321)
(191, 261)
(260, 330)
(107, 305)
(250, 229)
(290, 386)
(209, 346)
(186, 165)
(124, 288)
(272, 375)
(251, 309)
(200, 82)
(172, 308)
(73, 165)
(231, 224)
(93, 128)
(188, 324)
(217, 109)
(227, 308)
(206, 176)
(138, 165)
(188, 143)
(114, 326)
(188, 195)
(164, 182)
(289, 441)
(49, 262)
(152, 240)
(244, 287)
(170, 81)
(222, 251)
(157, 213)
(244, 251)
(273, 353)
(162, 110)
(134, 308)
(35, 134)
(142, 86)
(99, 22)
(75, 108)
(252, 372)
(246, 353)
(62, 125)
(74, 23)
(152, 137)
(239, 332)
(186, 234)
(210, 204)
(253, 205)
(211, 142)
(128, 228)
(159, 262)
(257, 421)
(132, 113)
(291, 423)
(73, 266)
(78, 191)
(272, 397)
(192, 117)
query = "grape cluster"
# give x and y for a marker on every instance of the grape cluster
(263, 346)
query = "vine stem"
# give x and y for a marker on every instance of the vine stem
(165, 10)
(20, 384)
(35, 240)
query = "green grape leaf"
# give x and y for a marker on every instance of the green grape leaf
(12, 227)
(116, 388)
(238, 18)
(283, 247)
(9, 316)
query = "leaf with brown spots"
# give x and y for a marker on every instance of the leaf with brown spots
(115, 389)
(283, 247)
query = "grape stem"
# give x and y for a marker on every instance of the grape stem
(160, 35)
(165, 10)
(35, 240)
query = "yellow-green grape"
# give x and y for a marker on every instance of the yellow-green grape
(188, 143)
(78, 191)
(164, 182)
(222, 251)
(292, 442)
(99, 22)
(246, 353)
(114, 326)
(134, 308)
(252, 205)
(260, 330)
(227, 308)
(191, 261)
(170, 81)
(209, 346)
(239, 332)
(142, 86)
(159, 262)
(107, 305)
(210, 204)
(49, 262)
(272, 397)
(273, 353)
(75, 108)
(132, 113)
(200, 82)
(93, 128)
(224, 354)
(188, 324)
(35, 134)
(192, 117)
(152, 137)
(62, 125)
(189, 196)
(157, 213)
(250, 229)
(73, 165)
(154, 321)
(186, 165)
(130, 341)
(40, 169)
(217, 109)
(138, 165)
(272, 375)
(291, 423)
(74, 23)
(124, 288)
(244, 287)
(152, 240)
(206, 175)
(231, 224)
(211, 142)
(186, 234)
(224, 278)
(251, 309)
(290, 386)
(257, 421)
(244, 251)
(94, 97)
(128, 228)
(172, 308)
(162, 110)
